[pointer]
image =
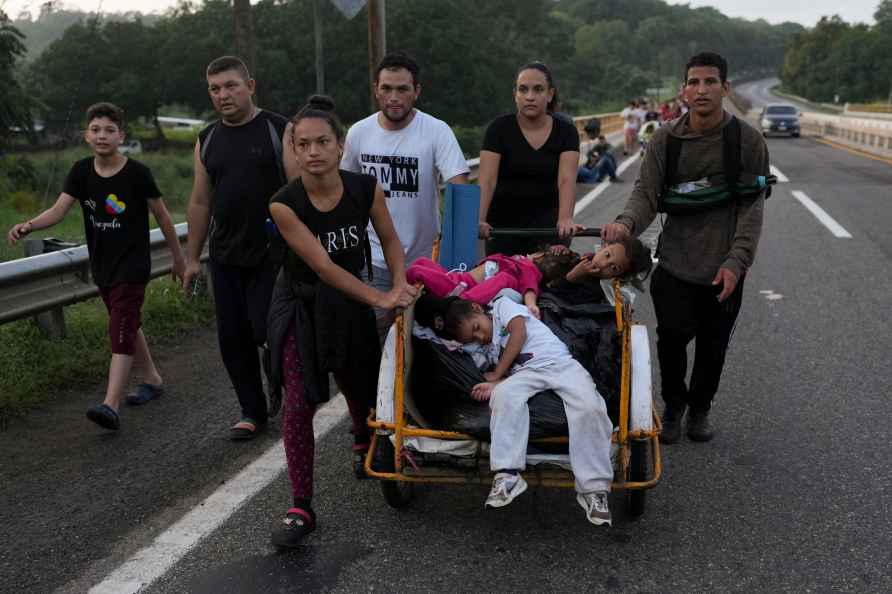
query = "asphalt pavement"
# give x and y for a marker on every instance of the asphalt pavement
(793, 495)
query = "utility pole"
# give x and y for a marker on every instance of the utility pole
(377, 45)
(320, 63)
(244, 32)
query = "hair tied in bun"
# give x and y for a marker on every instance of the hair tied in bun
(321, 102)
(322, 107)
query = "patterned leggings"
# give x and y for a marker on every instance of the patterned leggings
(297, 421)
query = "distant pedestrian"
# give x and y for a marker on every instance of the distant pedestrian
(409, 152)
(116, 194)
(528, 165)
(631, 123)
(240, 161)
(705, 249)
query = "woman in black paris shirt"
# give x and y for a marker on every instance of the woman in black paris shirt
(328, 323)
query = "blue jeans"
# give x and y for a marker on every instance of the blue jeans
(606, 166)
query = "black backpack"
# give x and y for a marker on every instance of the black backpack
(730, 186)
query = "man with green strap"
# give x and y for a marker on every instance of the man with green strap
(707, 172)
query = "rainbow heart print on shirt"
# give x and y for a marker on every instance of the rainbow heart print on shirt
(113, 205)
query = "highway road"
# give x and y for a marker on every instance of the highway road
(793, 495)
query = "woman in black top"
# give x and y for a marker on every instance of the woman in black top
(320, 317)
(528, 165)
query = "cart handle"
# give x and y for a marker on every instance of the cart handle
(540, 232)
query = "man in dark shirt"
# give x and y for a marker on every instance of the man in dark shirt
(240, 161)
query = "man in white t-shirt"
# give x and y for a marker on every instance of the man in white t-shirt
(409, 152)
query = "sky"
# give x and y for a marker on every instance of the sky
(806, 12)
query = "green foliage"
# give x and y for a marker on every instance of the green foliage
(20, 205)
(601, 51)
(15, 104)
(98, 61)
(34, 368)
(470, 139)
(853, 61)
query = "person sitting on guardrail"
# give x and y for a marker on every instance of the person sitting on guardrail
(116, 194)
(599, 164)
(528, 164)
(528, 274)
(532, 359)
(321, 319)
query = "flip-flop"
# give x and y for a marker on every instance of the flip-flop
(244, 430)
(104, 416)
(144, 393)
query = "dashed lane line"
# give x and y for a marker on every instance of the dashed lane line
(820, 214)
(586, 200)
(781, 178)
(152, 562)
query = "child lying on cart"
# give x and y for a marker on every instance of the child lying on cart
(532, 359)
(526, 274)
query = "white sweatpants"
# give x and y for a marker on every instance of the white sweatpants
(589, 426)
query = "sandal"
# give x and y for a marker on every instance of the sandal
(296, 524)
(245, 429)
(104, 416)
(144, 393)
(359, 453)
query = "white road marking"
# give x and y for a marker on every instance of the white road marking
(781, 178)
(155, 560)
(820, 214)
(584, 202)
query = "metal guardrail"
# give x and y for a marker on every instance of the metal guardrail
(37, 284)
(29, 286)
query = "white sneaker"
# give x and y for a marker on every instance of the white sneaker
(595, 505)
(505, 487)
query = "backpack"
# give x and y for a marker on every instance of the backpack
(276, 248)
(684, 197)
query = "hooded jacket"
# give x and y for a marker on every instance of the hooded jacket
(694, 246)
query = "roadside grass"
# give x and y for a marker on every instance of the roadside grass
(34, 368)
(172, 169)
(71, 228)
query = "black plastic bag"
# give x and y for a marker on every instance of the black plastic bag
(589, 331)
(442, 380)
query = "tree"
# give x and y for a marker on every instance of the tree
(94, 61)
(14, 103)
(244, 32)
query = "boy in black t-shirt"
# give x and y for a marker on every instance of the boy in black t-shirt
(116, 194)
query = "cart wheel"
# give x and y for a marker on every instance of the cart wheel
(636, 499)
(397, 494)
